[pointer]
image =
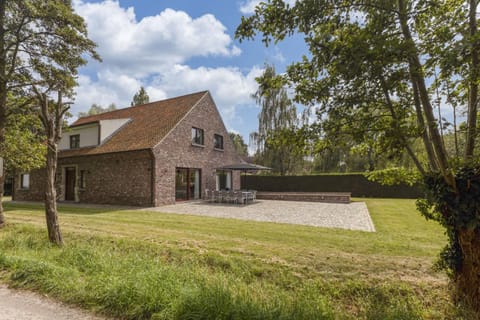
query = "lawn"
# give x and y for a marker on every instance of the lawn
(148, 265)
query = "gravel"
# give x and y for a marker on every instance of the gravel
(351, 216)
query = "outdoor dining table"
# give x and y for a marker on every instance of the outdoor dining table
(248, 195)
(231, 196)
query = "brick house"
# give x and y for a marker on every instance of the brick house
(147, 155)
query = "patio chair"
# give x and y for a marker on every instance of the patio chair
(217, 196)
(253, 195)
(239, 197)
(209, 195)
(229, 196)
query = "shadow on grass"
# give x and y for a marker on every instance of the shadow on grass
(65, 208)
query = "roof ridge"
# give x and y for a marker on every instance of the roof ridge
(141, 105)
(149, 124)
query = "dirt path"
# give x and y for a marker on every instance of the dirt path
(23, 305)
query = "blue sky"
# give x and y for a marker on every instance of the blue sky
(173, 48)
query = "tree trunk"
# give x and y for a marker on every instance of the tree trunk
(473, 82)
(467, 279)
(418, 79)
(2, 216)
(3, 100)
(54, 234)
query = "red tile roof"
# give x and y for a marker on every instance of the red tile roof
(149, 124)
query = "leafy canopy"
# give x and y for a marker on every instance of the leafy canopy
(141, 97)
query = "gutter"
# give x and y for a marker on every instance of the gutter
(153, 185)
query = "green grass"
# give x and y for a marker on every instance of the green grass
(148, 265)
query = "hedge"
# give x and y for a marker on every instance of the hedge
(356, 184)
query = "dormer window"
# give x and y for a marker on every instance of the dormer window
(197, 136)
(75, 141)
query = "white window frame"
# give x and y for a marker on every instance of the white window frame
(25, 181)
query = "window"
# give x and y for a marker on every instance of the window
(197, 136)
(75, 141)
(83, 175)
(218, 141)
(224, 180)
(25, 181)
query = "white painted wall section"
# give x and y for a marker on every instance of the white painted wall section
(88, 136)
(109, 127)
(89, 133)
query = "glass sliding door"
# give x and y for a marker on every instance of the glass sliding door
(187, 184)
(181, 184)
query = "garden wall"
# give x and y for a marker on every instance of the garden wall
(357, 184)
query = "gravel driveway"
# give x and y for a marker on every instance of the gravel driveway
(352, 216)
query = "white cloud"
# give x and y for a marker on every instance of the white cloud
(154, 52)
(144, 46)
(229, 86)
(278, 56)
(248, 6)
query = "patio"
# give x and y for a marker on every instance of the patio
(352, 216)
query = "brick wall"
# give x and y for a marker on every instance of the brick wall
(118, 178)
(177, 151)
(126, 178)
(332, 197)
(36, 191)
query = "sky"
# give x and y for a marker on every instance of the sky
(172, 48)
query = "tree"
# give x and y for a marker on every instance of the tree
(97, 109)
(288, 147)
(375, 67)
(278, 116)
(24, 147)
(42, 44)
(52, 113)
(141, 97)
(239, 144)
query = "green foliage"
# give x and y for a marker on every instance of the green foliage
(275, 142)
(363, 70)
(377, 70)
(453, 210)
(393, 176)
(141, 97)
(146, 265)
(285, 149)
(53, 41)
(240, 146)
(97, 109)
(355, 183)
(24, 147)
(44, 43)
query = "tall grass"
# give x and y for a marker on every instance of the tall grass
(140, 265)
(132, 280)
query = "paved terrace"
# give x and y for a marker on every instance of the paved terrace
(352, 216)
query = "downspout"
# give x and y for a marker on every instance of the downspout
(14, 184)
(153, 185)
